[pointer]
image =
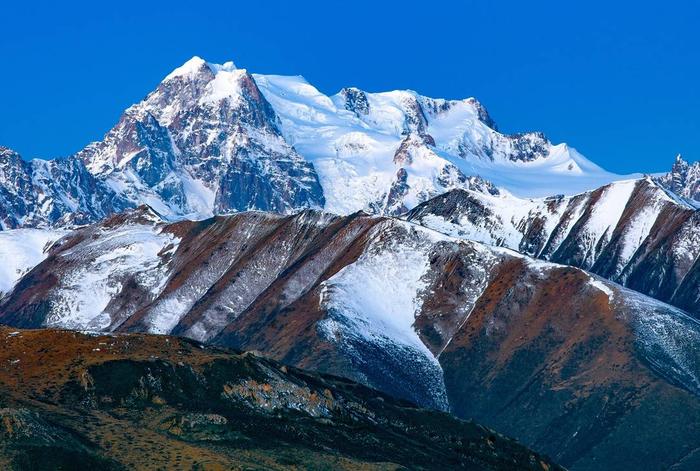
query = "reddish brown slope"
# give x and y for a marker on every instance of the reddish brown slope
(71, 401)
(535, 349)
(554, 363)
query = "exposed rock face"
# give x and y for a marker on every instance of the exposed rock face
(39, 193)
(205, 141)
(118, 402)
(683, 179)
(446, 323)
(634, 233)
(529, 146)
(355, 101)
(394, 203)
(483, 114)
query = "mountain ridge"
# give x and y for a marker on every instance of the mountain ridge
(633, 232)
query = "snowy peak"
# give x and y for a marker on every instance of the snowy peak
(197, 84)
(204, 142)
(196, 66)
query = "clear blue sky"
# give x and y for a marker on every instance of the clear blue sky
(617, 80)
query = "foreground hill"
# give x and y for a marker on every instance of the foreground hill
(75, 401)
(572, 365)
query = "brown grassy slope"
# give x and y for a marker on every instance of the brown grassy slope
(153, 402)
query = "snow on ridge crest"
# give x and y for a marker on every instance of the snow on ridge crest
(195, 64)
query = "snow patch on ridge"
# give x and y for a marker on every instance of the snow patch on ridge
(375, 300)
(129, 252)
(601, 286)
(637, 231)
(378, 295)
(609, 208)
(226, 85)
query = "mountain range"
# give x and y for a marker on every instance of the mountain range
(214, 139)
(397, 241)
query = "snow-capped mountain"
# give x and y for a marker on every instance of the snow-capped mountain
(215, 139)
(386, 152)
(205, 141)
(548, 353)
(633, 232)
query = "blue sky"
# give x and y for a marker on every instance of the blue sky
(617, 80)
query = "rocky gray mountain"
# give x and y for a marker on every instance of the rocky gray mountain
(683, 179)
(56, 192)
(205, 141)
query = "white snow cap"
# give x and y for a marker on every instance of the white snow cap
(194, 65)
